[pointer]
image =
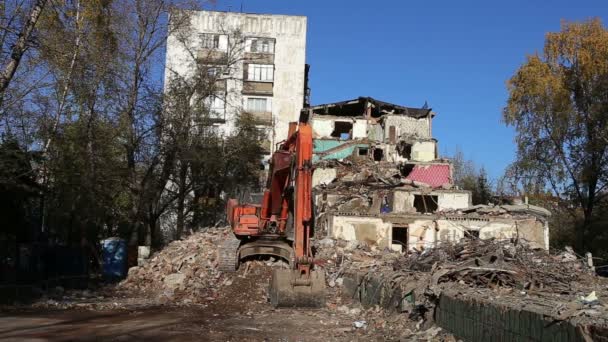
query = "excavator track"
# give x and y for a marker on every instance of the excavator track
(228, 256)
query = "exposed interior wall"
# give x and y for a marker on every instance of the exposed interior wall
(391, 154)
(372, 230)
(422, 234)
(536, 232)
(531, 230)
(406, 126)
(453, 200)
(360, 129)
(426, 233)
(323, 127)
(403, 201)
(423, 151)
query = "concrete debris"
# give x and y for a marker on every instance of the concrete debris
(478, 268)
(327, 242)
(525, 209)
(184, 271)
(174, 280)
(567, 255)
(360, 324)
(591, 299)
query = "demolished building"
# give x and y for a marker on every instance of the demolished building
(378, 179)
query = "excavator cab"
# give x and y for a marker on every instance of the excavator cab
(282, 224)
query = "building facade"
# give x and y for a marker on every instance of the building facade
(259, 60)
(378, 179)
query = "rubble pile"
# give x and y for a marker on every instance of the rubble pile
(337, 257)
(184, 271)
(482, 268)
(473, 262)
(490, 263)
(365, 173)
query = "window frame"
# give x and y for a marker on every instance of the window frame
(260, 72)
(267, 101)
(254, 41)
(215, 41)
(215, 111)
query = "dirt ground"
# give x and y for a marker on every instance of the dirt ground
(239, 313)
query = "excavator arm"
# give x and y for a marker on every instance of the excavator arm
(302, 286)
(284, 214)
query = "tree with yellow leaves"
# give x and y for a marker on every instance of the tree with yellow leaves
(558, 104)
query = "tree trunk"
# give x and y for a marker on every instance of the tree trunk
(20, 46)
(67, 82)
(181, 201)
(581, 233)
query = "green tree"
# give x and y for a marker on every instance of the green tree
(483, 193)
(19, 191)
(558, 105)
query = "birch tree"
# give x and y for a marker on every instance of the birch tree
(558, 104)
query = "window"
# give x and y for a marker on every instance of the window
(260, 72)
(405, 150)
(210, 41)
(257, 104)
(342, 130)
(471, 233)
(400, 236)
(212, 72)
(378, 154)
(216, 105)
(261, 45)
(425, 203)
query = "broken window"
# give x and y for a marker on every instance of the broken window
(425, 203)
(405, 150)
(363, 151)
(471, 233)
(342, 129)
(400, 236)
(378, 154)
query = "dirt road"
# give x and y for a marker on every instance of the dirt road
(240, 313)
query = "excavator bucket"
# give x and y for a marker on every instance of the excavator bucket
(290, 289)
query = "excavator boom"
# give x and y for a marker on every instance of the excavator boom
(282, 224)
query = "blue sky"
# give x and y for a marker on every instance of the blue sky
(457, 55)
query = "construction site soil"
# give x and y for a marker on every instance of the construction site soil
(180, 295)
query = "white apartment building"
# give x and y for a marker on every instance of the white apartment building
(267, 69)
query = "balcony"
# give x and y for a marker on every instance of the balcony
(259, 57)
(211, 56)
(262, 118)
(257, 88)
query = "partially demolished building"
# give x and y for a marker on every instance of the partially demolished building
(378, 179)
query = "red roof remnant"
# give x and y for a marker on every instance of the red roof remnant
(433, 175)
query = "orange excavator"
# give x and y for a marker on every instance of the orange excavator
(282, 224)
